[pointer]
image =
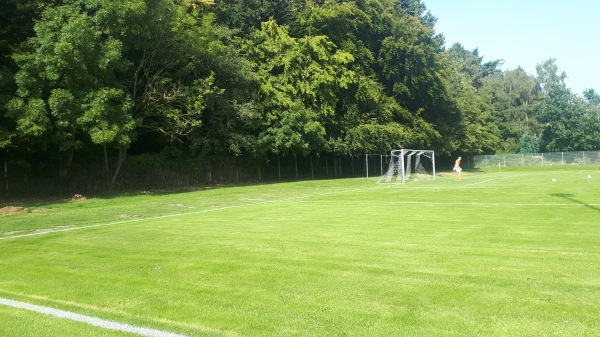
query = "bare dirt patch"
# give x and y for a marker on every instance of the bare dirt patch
(12, 210)
(78, 197)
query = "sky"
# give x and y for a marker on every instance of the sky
(526, 33)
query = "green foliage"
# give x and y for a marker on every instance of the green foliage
(592, 98)
(106, 117)
(300, 79)
(18, 18)
(570, 125)
(264, 78)
(63, 71)
(529, 144)
(248, 15)
(470, 64)
(373, 138)
(411, 65)
(36, 122)
(476, 132)
(548, 73)
(364, 29)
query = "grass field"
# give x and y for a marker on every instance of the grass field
(498, 254)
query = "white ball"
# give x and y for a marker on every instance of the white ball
(553, 180)
(590, 176)
(415, 179)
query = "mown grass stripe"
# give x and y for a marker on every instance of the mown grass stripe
(113, 223)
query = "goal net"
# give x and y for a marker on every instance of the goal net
(406, 165)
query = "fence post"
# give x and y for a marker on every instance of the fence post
(522, 160)
(209, 172)
(334, 167)
(6, 175)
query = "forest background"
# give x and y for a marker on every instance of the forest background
(100, 95)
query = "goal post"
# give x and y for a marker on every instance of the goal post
(407, 164)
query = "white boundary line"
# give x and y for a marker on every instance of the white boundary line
(124, 221)
(95, 321)
(112, 325)
(485, 181)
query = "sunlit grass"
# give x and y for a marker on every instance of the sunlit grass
(498, 254)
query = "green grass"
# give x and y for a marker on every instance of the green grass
(498, 254)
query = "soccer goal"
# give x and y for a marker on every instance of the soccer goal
(406, 165)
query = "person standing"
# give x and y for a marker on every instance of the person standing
(457, 169)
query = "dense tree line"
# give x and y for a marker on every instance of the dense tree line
(189, 81)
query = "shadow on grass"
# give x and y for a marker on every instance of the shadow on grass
(40, 201)
(569, 197)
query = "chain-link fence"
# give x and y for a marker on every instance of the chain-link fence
(146, 172)
(534, 159)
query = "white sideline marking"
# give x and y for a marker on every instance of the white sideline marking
(485, 181)
(49, 231)
(102, 323)
(120, 222)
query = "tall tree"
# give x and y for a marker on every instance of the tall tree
(96, 70)
(511, 99)
(371, 112)
(416, 72)
(472, 65)
(17, 18)
(300, 81)
(67, 63)
(548, 73)
(569, 125)
(592, 98)
(7, 126)
(475, 132)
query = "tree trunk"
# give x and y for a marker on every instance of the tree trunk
(259, 173)
(6, 175)
(334, 167)
(312, 170)
(209, 172)
(279, 166)
(121, 158)
(105, 159)
(296, 165)
(64, 171)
